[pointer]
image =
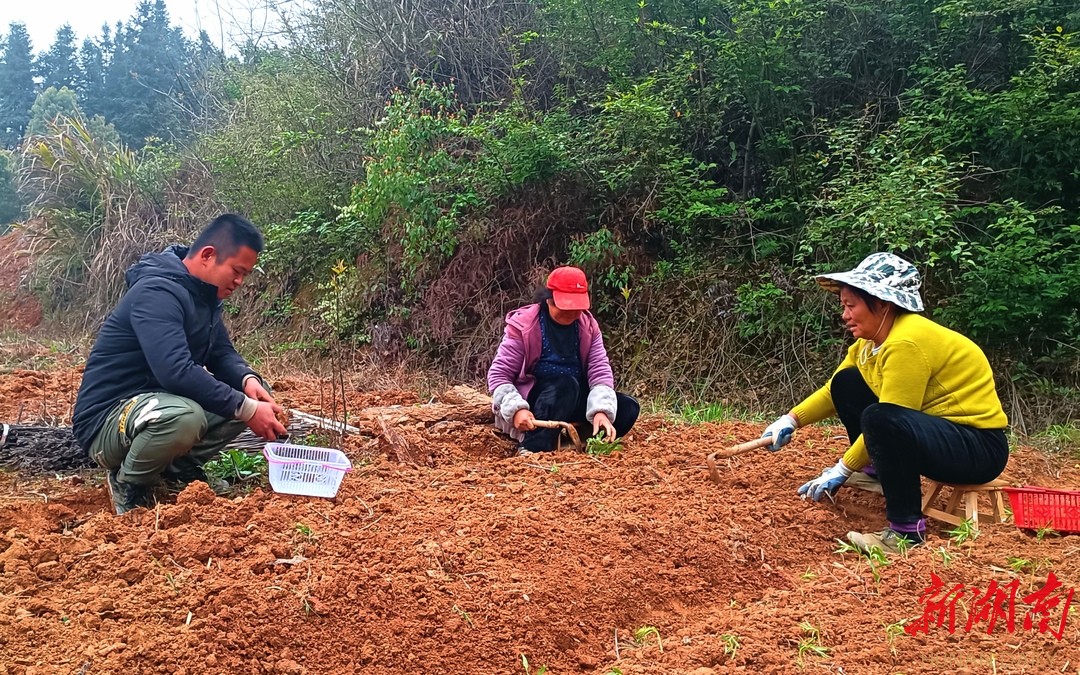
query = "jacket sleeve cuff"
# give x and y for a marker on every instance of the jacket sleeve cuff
(247, 409)
(601, 399)
(506, 401)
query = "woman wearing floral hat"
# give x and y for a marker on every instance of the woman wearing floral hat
(916, 398)
(552, 365)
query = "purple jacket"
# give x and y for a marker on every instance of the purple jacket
(519, 352)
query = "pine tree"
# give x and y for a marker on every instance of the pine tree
(91, 84)
(145, 77)
(52, 105)
(57, 67)
(16, 85)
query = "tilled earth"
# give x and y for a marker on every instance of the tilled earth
(472, 562)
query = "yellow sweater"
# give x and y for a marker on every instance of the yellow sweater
(923, 366)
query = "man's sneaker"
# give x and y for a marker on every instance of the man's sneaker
(864, 482)
(126, 496)
(887, 541)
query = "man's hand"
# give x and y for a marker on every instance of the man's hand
(264, 422)
(827, 483)
(600, 421)
(523, 420)
(781, 431)
(254, 389)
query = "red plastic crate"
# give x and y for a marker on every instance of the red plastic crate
(1035, 508)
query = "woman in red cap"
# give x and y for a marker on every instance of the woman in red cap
(552, 365)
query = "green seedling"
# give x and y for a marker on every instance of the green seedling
(846, 547)
(642, 635)
(811, 644)
(946, 557)
(305, 532)
(1020, 564)
(877, 559)
(893, 631)
(614, 671)
(598, 447)
(808, 575)
(236, 466)
(1045, 531)
(731, 644)
(528, 671)
(965, 531)
(464, 615)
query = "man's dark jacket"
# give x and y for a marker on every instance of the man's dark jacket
(164, 335)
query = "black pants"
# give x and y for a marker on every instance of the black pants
(905, 444)
(564, 399)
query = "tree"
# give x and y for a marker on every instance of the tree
(16, 85)
(144, 79)
(91, 84)
(57, 67)
(51, 105)
(10, 206)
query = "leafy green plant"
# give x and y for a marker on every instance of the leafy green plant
(965, 531)
(1045, 531)
(598, 447)
(643, 634)
(236, 466)
(946, 557)
(811, 643)
(892, 632)
(731, 644)
(1019, 564)
(304, 531)
(876, 559)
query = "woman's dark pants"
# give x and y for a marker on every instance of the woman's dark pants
(905, 444)
(563, 399)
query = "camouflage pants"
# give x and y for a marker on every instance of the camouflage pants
(146, 435)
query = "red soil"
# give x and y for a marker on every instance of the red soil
(19, 309)
(466, 566)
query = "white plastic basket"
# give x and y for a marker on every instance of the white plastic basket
(305, 470)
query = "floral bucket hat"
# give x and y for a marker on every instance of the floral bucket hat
(883, 275)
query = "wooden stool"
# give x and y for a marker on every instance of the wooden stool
(968, 497)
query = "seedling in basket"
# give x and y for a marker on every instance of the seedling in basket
(642, 635)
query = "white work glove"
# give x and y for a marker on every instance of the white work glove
(827, 483)
(781, 431)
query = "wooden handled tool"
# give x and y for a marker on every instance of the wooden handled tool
(728, 453)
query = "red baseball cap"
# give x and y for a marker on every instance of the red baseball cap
(569, 288)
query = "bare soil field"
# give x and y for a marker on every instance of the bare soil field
(467, 561)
